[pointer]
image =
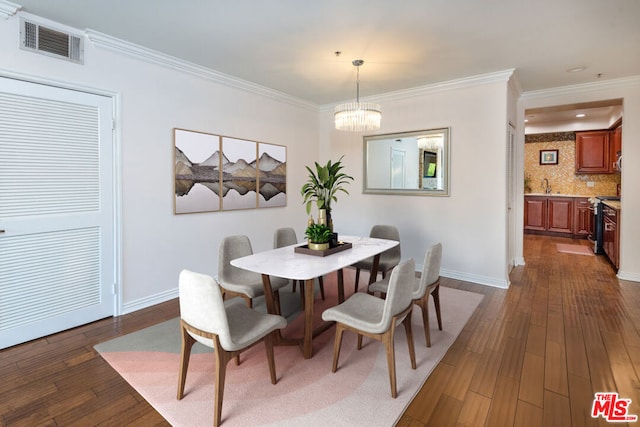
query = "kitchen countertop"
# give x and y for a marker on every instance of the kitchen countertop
(558, 195)
(615, 204)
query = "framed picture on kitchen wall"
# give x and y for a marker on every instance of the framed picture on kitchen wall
(214, 173)
(548, 157)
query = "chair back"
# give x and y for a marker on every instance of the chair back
(233, 247)
(430, 270)
(202, 306)
(389, 232)
(284, 237)
(399, 292)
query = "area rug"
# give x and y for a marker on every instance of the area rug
(307, 392)
(574, 249)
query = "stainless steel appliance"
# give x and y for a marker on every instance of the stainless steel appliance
(598, 221)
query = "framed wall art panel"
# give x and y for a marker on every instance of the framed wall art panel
(197, 172)
(214, 172)
(272, 175)
(239, 174)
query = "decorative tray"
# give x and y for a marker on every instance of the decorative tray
(341, 246)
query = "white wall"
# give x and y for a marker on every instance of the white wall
(470, 223)
(156, 244)
(629, 91)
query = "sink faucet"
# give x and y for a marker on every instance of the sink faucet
(546, 186)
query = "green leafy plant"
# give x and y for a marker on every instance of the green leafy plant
(323, 185)
(527, 183)
(318, 233)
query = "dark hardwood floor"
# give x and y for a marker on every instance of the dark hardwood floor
(532, 355)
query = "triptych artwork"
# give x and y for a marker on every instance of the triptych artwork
(220, 173)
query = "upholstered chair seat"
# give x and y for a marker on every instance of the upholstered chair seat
(367, 315)
(427, 284)
(388, 259)
(239, 282)
(227, 327)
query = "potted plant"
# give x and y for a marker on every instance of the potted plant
(527, 184)
(323, 185)
(318, 236)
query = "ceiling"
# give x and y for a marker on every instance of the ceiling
(571, 117)
(289, 45)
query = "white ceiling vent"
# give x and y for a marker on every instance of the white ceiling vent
(47, 41)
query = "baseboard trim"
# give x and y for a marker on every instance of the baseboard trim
(475, 278)
(130, 307)
(161, 297)
(632, 277)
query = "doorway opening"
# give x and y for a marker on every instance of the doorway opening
(558, 193)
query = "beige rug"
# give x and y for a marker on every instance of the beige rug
(307, 393)
(574, 249)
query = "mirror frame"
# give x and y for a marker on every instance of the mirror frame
(446, 158)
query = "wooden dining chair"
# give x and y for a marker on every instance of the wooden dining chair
(286, 236)
(239, 282)
(229, 328)
(373, 317)
(427, 284)
(388, 259)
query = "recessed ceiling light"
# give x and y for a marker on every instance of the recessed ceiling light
(581, 115)
(576, 69)
(526, 120)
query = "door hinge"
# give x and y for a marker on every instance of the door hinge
(114, 289)
(113, 124)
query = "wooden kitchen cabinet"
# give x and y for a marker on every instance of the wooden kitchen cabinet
(615, 141)
(535, 213)
(549, 213)
(583, 217)
(611, 235)
(593, 152)
(560, 215)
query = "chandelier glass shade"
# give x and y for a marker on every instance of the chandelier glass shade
(357, 116)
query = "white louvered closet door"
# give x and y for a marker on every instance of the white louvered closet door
(57, 259)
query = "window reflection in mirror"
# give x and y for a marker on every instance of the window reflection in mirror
(413, 163)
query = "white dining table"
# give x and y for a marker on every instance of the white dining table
(285, 262)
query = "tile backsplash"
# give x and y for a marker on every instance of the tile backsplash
(562, 177)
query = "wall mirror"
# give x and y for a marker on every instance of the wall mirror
(411, 163)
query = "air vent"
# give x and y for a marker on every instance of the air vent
(48, 41)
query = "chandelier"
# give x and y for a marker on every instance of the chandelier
(357, 116)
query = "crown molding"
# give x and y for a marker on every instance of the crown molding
(466, 82)
(581, 88)
(8, 9)
(514, 83)
(107, 42)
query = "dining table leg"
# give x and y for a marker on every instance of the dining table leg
(268, 294)
(373, 276)
(340, 286)
(307, 339)
(271, 305)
